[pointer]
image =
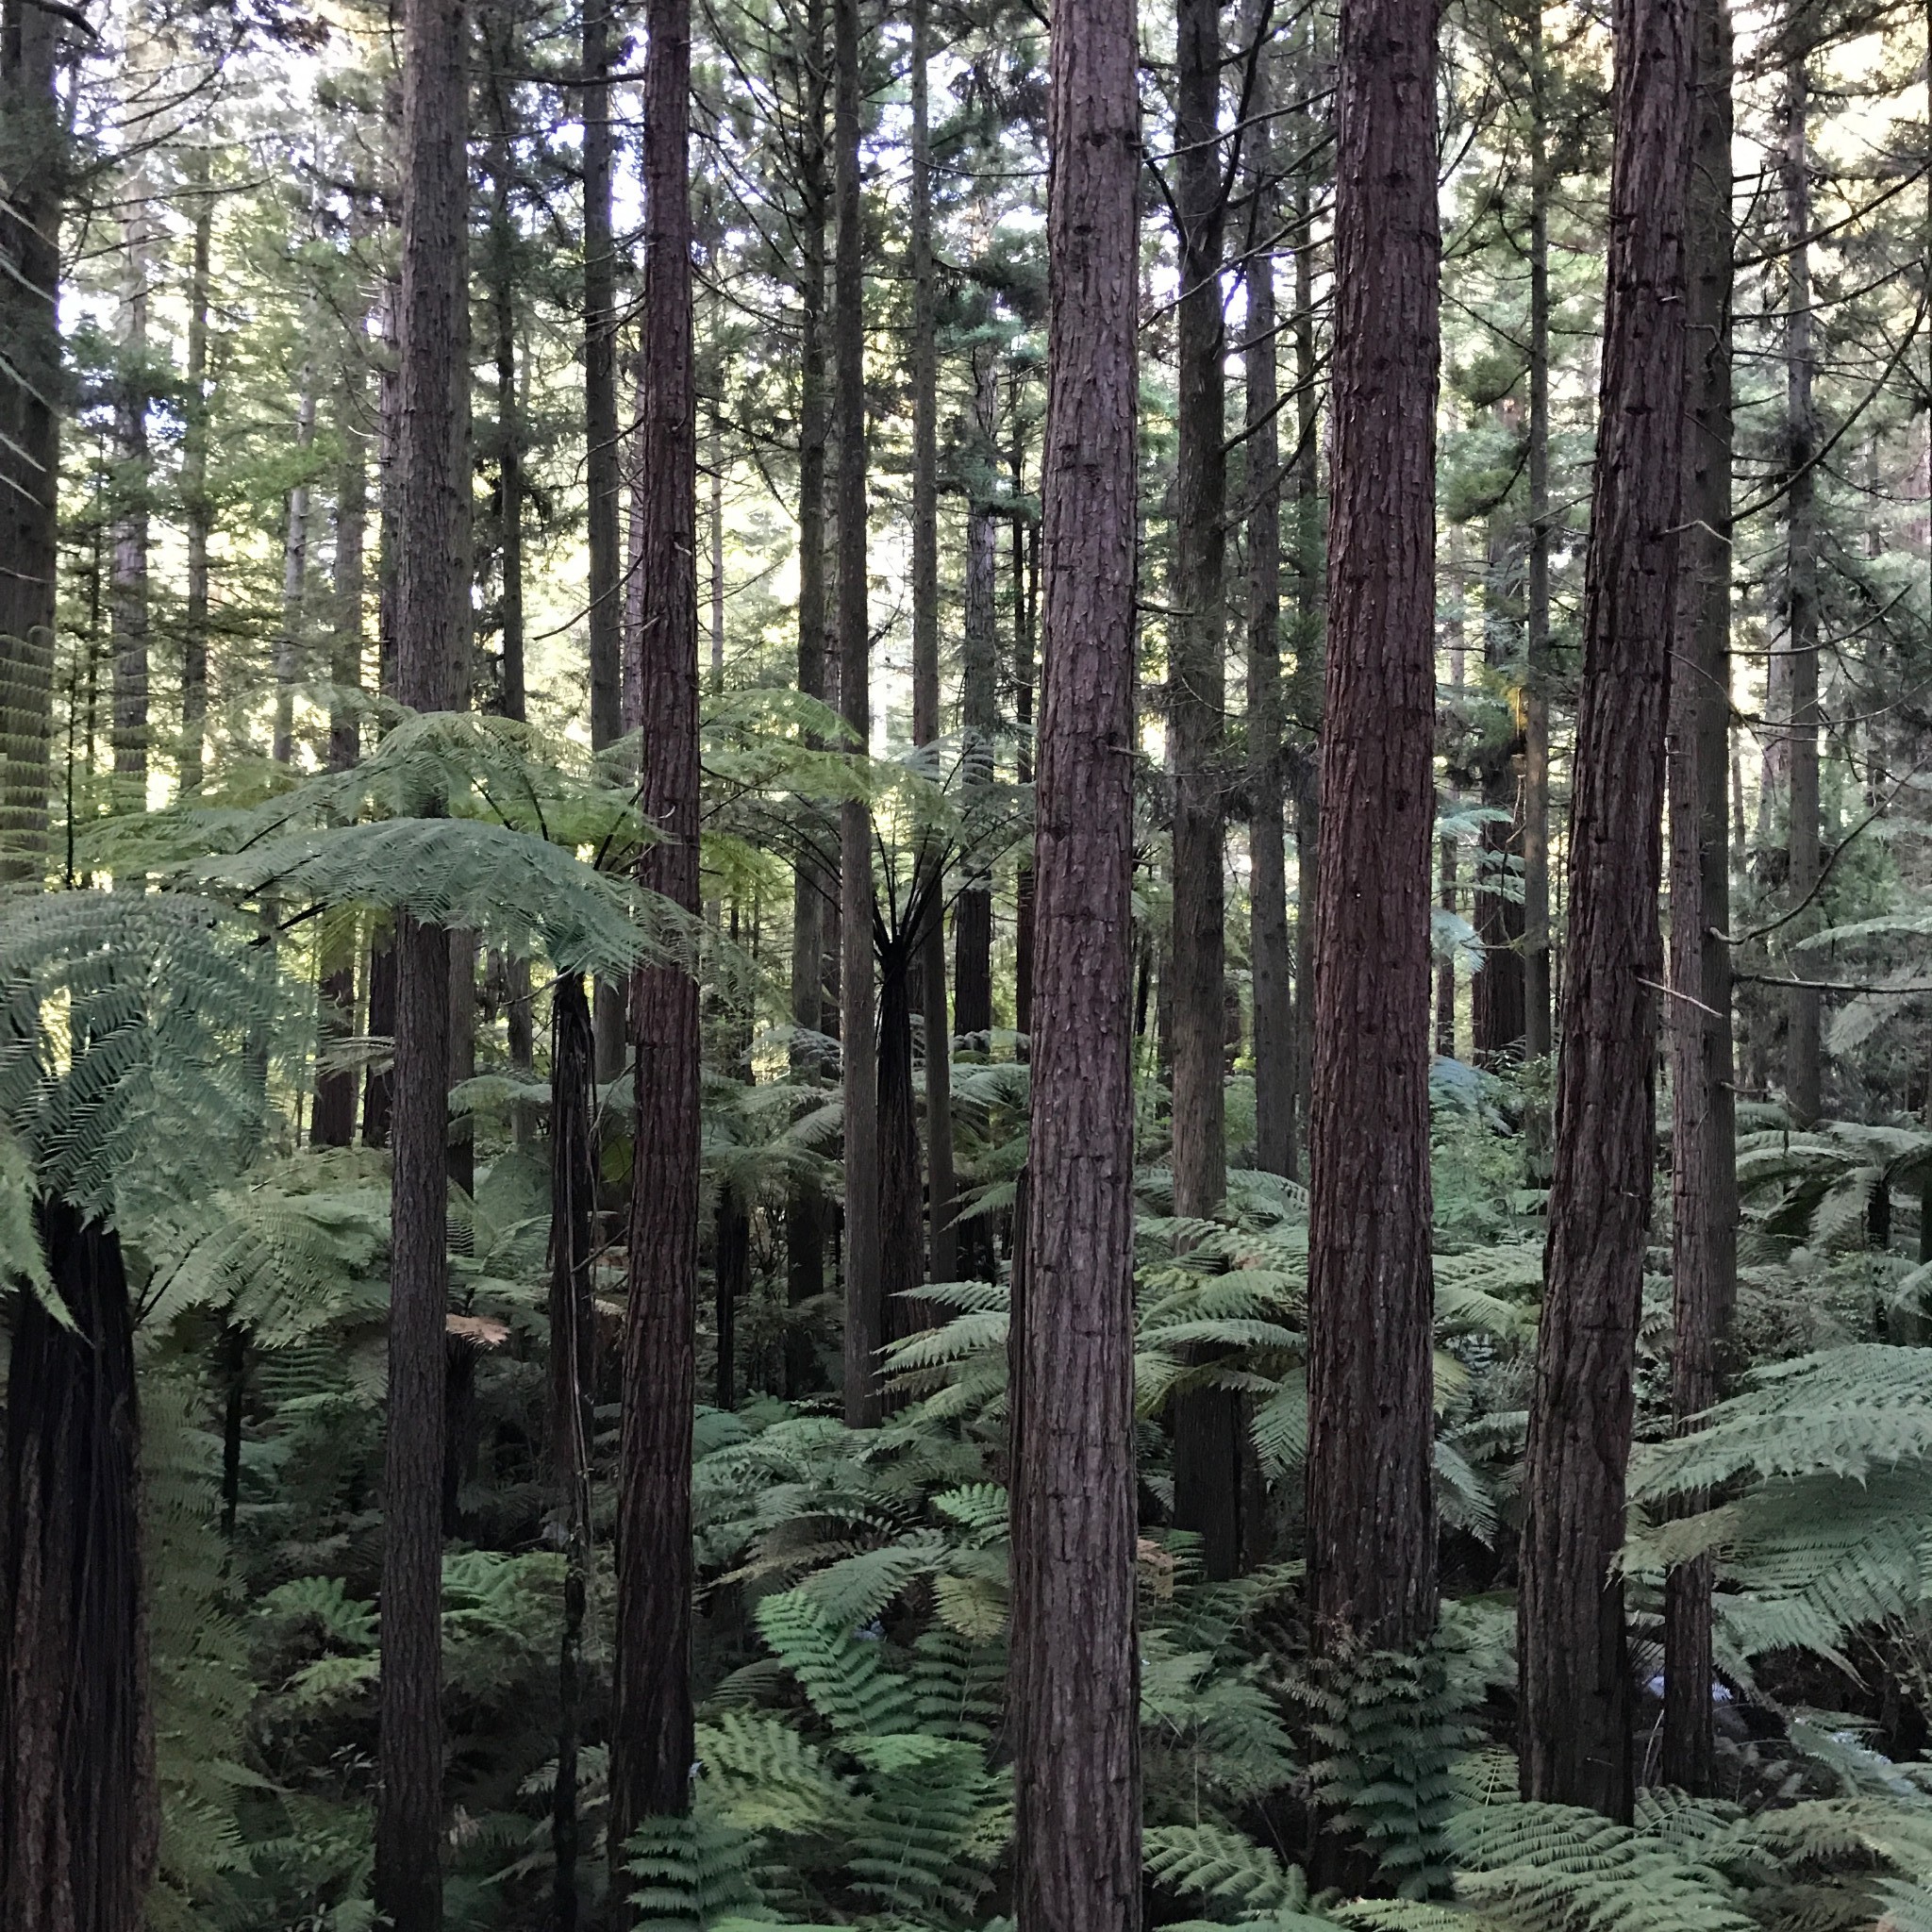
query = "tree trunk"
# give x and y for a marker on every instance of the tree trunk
(981, 722)
(1445, 967)
(1704, 1174)
(902, 1244)
(1274, 1040)
(1206, 1422)
(572, 1383)
(1497, 1021)
(288, 642)
(814, 885)
(128, 600)
(512, 700)
(333, 1122)
(432, 603)
(1074, 1685)
(197, 508)
(864, 1315)
(1574, 1678)
(33, 161)
(1305, 489)
(925, 651)
(601, 469)
(1026, 617)
(1536, 701)
(651, 1733)
(1371, 1513)
(1803, 1056)
(78, 1815)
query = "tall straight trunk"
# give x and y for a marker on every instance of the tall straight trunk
(196, 507)
(512, 700)
(1073, 1677)
(925, 651)
(1575, 1677)
(1371, 1514)
(333, 1122)
(289, 641)
(1273, 995)
(78, 1814)
(573, 1387)
(1305, 492)
(814, 885)
(1025, 622)
(1497, 1021)
(432, 603)
(603, 477)
(980, 722)
(1206, 1422)
(651, 1733)
(1804, 1067)
(1537, 1037)
(1704, 1171)
(864, 1315)
(902, 1236)
(1445, 967)
(33, 160)
(128, 597)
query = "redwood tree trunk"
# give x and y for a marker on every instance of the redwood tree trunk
(864, 1314)
(1073, 1691)
(432, 602)
(651, 1743)
(1574, 1678)
(572, 1383)
(600, 470)
(78, 1816)
(1704, 1174)
(1371, 1514)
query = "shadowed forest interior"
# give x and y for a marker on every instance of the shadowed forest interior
(966, 966)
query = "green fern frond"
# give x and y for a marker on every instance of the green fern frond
(1222, 1867)
(843, 1674)
(691, 1873)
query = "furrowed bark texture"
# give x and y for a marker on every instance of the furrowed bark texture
(432, 601)
(650, 1742)
(78, 1817)
(1704, 1174)
(1371, 1514)
(1074, 1673)
(1574, 1678)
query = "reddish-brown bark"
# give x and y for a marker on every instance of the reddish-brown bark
(1574, 1678)
(1370, 1515)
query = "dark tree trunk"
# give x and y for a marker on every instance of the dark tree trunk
(1445, 967)
(333, 1122)
(572, 1383)
(33, 161)
(651, 1734)
(1371, 1513)
(1704, 1174)
(1574, 1679)
(1206, 1422)
(806, 1213)
(1536, 702)
(290, 640)
(432, 594)
(1273, 995)
(943, 1251)
(1804, 1065)
(1074, 1668)
(902, 1245)
(732, 1278)
(603, 477)
(78, 1814)
(198, 509)
(128, 599)
(378, 1084)
(512, 700)
(1497, 1021)
(980, 722)
(864, 1313)
(1025, 610)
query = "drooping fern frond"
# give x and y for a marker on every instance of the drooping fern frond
(842, 1673)
(689, 1873)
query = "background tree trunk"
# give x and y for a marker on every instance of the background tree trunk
(197, 510)
(1574, 1678)
(1371, 1513)
(864, 1314)
(1536, 701)
(651, 1733)
(1704, 1174)
(1074, 1684)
